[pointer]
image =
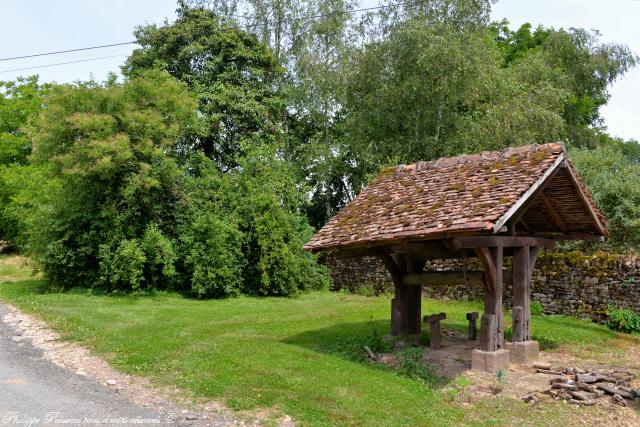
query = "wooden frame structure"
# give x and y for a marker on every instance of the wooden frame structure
(487, 206)
(408, 278)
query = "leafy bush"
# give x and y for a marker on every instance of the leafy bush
(410, 364)
(376, 343)
(242, 231)
(122, 214)
(111, 220)
(213, 260)
(623, 320)
(614, 180)
(536, 308)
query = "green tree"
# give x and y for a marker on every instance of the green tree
(588, 67)
(427, 91)
(108, 148)
(234, 76)
(20, 101)
(243, 230)
(614, 180)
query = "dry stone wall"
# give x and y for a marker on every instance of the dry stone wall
(568, 283)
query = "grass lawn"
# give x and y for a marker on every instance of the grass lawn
(300, 356)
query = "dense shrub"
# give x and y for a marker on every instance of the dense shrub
(242, 231)
(123, 215)
(623, 320)
(614, 180)
(110, 223)
(412, 365)
(536, 308)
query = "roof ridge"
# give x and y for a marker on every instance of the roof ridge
(487, 155)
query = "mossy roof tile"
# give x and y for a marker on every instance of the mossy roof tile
(455, 194)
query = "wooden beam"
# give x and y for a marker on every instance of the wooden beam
(497, 254)
(428, 250)
(392, 267)
(442, 278)
(571, 235)
(449, 278)
(489, 267)
(552, 211)
(474, 242)
(524, 224)
(533, 257)
(414, 265)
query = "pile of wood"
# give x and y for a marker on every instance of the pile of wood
(584, 387)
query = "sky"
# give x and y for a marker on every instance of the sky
(35, 26)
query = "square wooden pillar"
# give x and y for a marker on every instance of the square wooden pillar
(406, 306)
(492, 321)
(524, 259)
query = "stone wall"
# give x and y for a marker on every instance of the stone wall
(568, 283)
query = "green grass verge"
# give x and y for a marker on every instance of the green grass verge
(300, 356)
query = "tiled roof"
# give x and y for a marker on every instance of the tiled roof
(468, 193)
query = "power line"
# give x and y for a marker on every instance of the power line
(66, 51)
(245, 27)
(305, 18)
(63, 63)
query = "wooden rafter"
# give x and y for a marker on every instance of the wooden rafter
(524, 224)
(520, 205)
(553, 212)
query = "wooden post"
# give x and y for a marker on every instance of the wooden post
(434, 321)
(473, 328)
(407, 302)
(487, 332)
(497, 254)
(492, 260)
(517, 328)
(521, 294)
(394, 325)
(400, 319)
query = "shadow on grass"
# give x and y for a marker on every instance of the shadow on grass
(347, 341)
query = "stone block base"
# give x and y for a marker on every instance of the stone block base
(525, 351)
(489, 361)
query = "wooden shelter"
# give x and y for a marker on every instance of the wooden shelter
(488, 205)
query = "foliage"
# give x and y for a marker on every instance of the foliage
(121, 214)
(623, 320)
(427, 91)
(375, 342)
(536, 308)
(499, 379)
(256, 230)
(234, 77)
(614, 180)
(588, 69)
(410, 364)
(111, 220)
(20, 101)
(275, 229)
